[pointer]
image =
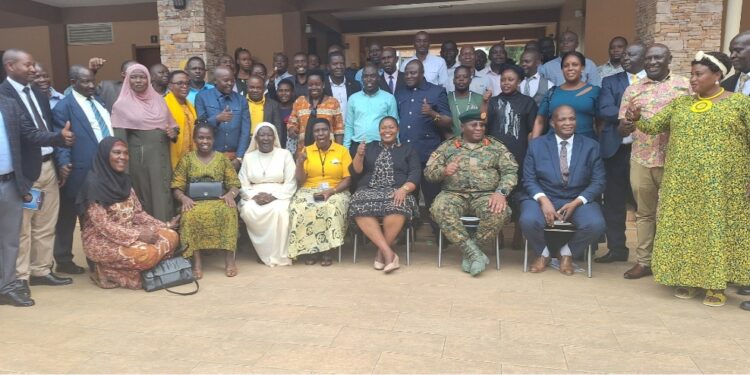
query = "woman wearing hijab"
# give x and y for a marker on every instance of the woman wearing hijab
(118, 236)
(141, 116)
(207, 224)
(268, 184)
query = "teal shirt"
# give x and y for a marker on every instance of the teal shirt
(193, 92)
(363, 115)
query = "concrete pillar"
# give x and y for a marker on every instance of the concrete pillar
(685, 26)
(733, 16)
(198, 30)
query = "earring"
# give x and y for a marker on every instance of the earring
(717, 83)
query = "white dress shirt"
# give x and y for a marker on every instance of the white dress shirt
(339, 92)
(569, 148)
(19, 88)
(746, 89)
(533, 85)
(86, 107)
(435, 70)
(479, 84)
(387, 77)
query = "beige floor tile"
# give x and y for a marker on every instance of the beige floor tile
(558, 335)
(534, 355)
(709, 364)
(111, 363)
(287, 333)
(391, 363)
(223, 368)
(515, 369)
(484, 349)
(256, 311)
(319, 359)
(500, 311)
(409, 322)
(681, 344)
(358, 318)
(611, 361)
(399, 342)
(39, 358)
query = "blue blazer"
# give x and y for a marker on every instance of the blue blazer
(610, 98)
(82, 153)
(541, 170)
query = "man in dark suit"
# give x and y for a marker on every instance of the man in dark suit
(391, 75)
(37, 236)
(739, 53)
(336, 84)
(108, 91)
(262, 109)
(615, 152)
(90, 120)
(20, 166)
(562, 176)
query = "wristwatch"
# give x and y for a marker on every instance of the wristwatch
(502, 191)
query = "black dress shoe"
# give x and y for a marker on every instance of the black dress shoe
(745, 305)
(69, 268)
(743, 290)
(50, 280)
(613, 256)
(23, 287)
(16, 298)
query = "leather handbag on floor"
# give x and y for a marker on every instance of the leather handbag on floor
(169, 273)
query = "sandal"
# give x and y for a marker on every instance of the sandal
(685, 292)
(310, 260)
(715, 298)
(231, 271)
(326, 261)
(198, 274)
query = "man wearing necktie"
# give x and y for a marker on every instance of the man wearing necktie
(615, 152)
(390, 78)
(89, 119)
(739, 49)
(562, 176)
(35, 258)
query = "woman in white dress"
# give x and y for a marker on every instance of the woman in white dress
(268, 184)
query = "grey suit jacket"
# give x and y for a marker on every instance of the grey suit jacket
(109, 91)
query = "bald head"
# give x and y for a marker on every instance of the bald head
(739, 52)
(564, 121)
(658, 58)
(224, 79)
(633, 58)
(19, 66)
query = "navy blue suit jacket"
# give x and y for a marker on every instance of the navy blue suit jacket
(610, 97)
(82, 154)
(541, 170)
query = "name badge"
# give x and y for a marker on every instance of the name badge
(324, 186)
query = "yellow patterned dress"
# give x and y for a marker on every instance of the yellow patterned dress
(211, 224)
(703, 225)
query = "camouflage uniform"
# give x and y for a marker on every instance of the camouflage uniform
(484, 168)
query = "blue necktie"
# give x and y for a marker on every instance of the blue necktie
(99, 119)
(390, 83)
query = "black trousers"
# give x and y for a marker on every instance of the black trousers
(617, 193)
(66, 225)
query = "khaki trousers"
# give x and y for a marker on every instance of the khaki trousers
(645, 183)
(38, 228)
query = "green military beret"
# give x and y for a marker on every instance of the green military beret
(470, 115)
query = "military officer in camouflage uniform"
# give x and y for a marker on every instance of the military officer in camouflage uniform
(477, 173)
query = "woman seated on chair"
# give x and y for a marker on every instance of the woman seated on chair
(207, 223)
(118, 236)
(268, 184)
(318, 209)
(389, 172)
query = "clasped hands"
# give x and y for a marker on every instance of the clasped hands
(563, 214)
(263, 198)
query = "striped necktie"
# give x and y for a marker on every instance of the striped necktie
(99, 119)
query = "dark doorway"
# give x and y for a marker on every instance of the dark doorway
(147, 55)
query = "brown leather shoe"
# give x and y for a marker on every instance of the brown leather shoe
(540, 264)
(637, 272)
(566, 265)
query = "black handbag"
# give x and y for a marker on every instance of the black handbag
(199, 191)
(169, 273)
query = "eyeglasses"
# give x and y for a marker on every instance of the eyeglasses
(181, 83)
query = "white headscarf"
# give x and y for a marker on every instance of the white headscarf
(254, 143)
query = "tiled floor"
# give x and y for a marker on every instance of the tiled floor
(349, 318)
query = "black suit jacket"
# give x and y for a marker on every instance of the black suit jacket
(25, 139)
(730, 83)
(399, 82)
(352, 87)
(31, 157)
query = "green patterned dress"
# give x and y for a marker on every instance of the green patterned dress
(703, 223)
(211, 224)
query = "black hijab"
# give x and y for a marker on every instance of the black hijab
(103, 184)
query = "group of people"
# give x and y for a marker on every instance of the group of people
(162, 163)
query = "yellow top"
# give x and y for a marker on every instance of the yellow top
(185, 117)
(256, 113)
(329, 166)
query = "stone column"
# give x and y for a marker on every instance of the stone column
(685, 26)
(198, 30)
